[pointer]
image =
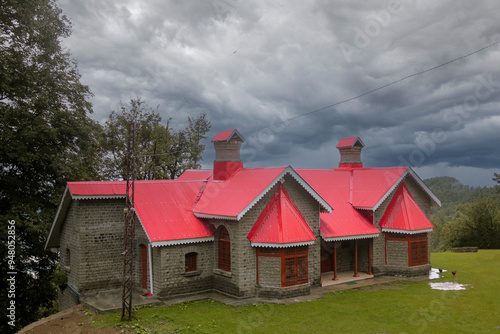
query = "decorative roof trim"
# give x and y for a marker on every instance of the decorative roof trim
(424, 187)
(84, 197)
(180, 241)
(351, 237)
(206, 215)
(290, 244)
(393, 230)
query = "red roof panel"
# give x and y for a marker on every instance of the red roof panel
(164, 207)
(370, 185)
(165, 210)
(345, 222)
(195, 174)
(403, 214)
(95, 188)
(281, 222)
(230, 198)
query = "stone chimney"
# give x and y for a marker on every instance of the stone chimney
(227, 146)
(350, 152)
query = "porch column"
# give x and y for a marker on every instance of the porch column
(356, 258)
(369, 257)
(335, 278)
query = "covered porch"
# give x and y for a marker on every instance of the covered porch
(345, 260)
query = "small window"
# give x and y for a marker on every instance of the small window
(224, 250)
(190, 261)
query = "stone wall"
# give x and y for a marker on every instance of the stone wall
(100, 229)
(172, 279)
(269, 276)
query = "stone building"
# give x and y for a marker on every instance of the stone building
(246, 232)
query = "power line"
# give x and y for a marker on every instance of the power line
(380, 87)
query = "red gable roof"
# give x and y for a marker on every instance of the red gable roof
(403, 214)
(227, 135)
(281, 224)
(163, 207)
(349, 142)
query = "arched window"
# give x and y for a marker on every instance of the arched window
(224, 250)
(190, 261)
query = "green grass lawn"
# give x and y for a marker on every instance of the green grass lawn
(400, 307)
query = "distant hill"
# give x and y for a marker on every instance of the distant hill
(452, 192)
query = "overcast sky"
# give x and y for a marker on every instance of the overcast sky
(258, 65)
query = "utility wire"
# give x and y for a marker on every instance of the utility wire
(380, 87)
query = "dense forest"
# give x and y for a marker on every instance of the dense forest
(469, 216)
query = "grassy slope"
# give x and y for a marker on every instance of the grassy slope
(402, 307)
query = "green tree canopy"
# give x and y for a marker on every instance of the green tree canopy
(47, 138)
(162, 152)
(477, 225)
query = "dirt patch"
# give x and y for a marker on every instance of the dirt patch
(75, 320)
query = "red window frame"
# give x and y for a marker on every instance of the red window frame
(224, 250)
(294, 264)
(190, 260)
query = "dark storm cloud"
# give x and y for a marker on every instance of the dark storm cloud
(255, 65)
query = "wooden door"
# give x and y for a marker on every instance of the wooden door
(326, 260)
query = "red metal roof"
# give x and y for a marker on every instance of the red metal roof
(281, 222)
(345, 222)
(94, 188)
(163, 207)
(195, 174)
(370, 185)
(349, 142)
(226, 135)
(403, 214)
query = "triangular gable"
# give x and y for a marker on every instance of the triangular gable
(232, 198)
(281, 224)
(403, 215)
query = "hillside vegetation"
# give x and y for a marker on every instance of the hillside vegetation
(469, 216)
